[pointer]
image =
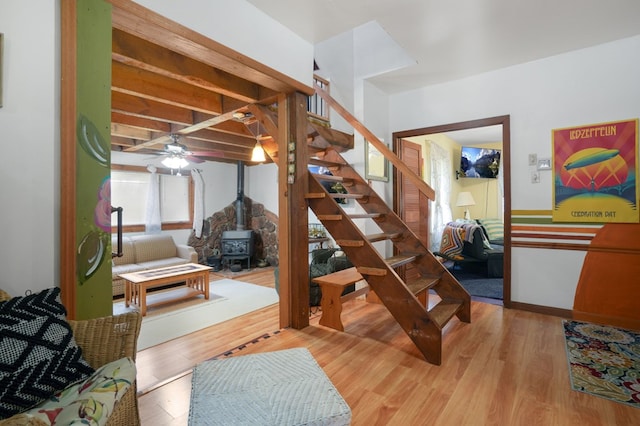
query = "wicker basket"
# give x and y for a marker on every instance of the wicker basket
(103, 340)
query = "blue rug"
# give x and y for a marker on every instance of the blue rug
(478, 285)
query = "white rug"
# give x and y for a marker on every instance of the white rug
(228, 299)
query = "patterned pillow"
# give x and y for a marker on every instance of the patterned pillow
(38, 354)
(452, 242)
(494, 228)
(90, 401)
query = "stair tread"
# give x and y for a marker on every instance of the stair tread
(351, 196)
(318, 162)
(365, 215)
(383, 236)
(423, 283)
(444, 311)
(331, 178)
(400, 259)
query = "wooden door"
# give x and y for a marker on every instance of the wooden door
(413, 205)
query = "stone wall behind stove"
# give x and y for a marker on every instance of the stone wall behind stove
(261, 221)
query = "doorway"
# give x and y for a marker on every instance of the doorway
(480, 125)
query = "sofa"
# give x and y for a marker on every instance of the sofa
(78, 372)
(468, 246)
(142, 252)
(324, 262)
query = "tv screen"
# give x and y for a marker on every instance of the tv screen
(479, 162)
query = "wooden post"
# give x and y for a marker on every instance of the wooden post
(293, 209)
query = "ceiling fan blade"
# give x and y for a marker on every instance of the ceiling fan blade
(194, 159)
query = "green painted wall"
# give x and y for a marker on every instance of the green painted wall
(93, 189)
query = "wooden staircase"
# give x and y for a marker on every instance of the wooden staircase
(423, 305)
(422, 320)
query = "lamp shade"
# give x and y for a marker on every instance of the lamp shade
(257, 155)
(465, 199)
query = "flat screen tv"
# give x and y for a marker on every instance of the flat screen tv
(479, 162)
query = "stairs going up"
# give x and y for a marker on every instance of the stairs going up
(408, 302)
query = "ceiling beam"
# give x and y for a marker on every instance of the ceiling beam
(143, 54)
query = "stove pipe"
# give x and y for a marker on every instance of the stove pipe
(240, 198)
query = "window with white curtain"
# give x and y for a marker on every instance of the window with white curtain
(129, 190)
(440, 213)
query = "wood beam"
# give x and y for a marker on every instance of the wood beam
(140, 122)
(143, 54)
(297, 207)
(145, 108)
(68, 114)
(147, 85)
(135, 19)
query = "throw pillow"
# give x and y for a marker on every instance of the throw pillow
(494, 228)
(38, 354)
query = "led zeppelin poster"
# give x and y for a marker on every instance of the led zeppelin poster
(594, 173)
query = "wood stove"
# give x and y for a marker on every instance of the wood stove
(237, 245)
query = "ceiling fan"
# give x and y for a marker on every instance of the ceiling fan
(178, 156)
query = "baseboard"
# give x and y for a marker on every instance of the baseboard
(628, 323)
(539, 309)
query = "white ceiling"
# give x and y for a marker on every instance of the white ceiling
(449, 40)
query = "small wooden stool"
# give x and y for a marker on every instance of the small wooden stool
(332, 286)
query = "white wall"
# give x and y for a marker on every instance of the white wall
(29, 121)
(592, 85)
(241, 26)
(30, 118)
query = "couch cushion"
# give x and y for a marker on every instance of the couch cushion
(494, 228)
(125, 269)
(153, 247)
(38, 354)
(91, 401)
(128, 252)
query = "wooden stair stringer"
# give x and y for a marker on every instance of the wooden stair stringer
(423, 327)
(404, 239)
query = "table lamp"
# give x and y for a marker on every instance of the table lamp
(465, 199)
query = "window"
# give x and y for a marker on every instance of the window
(129, 186)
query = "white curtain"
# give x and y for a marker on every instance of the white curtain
(198, 202)
(440, 213)
(152, 221)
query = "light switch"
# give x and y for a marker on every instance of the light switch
(533, 159)
(535, 177)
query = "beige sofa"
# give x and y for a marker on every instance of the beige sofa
(141, 252)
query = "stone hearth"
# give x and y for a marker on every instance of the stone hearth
(262, 222)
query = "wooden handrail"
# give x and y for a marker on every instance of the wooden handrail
(377, 143)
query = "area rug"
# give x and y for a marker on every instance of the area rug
(604, 361)
(285, 387)
(228, 299)
(479, 285)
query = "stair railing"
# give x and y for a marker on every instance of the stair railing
(402, 168)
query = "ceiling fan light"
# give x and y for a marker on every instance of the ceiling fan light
(257, 155)
(175, 162)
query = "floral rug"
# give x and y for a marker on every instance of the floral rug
(604, 361)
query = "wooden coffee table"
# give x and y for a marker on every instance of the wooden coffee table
(195, 277)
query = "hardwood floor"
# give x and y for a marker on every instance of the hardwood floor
(507, 367)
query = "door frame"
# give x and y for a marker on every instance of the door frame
(505, 122)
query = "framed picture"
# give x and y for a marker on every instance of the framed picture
(375, 165)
